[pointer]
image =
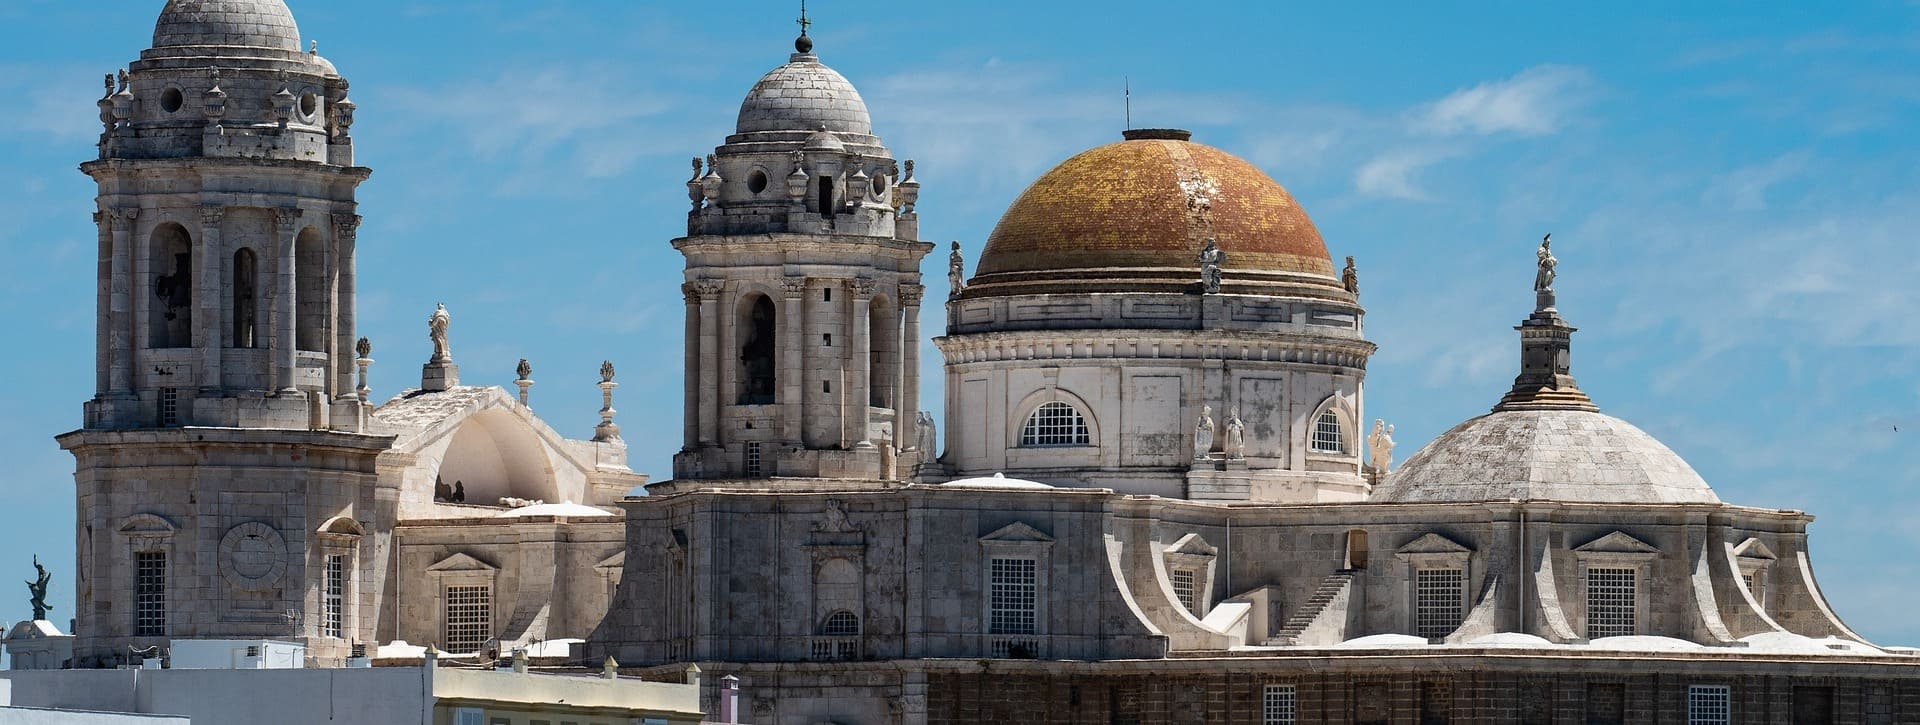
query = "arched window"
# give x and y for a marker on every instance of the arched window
(757, 376)
(170, 266)
(246, 276)
(841, 624)
(826, 196)
(1327, 435)
(1055, 424)
(310, 295)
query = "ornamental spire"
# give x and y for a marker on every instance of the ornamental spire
(1545, 381)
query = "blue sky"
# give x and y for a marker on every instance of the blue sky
(1733, 195)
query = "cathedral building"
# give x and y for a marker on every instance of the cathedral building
(1156, 500)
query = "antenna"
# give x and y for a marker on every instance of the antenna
(1127, 86)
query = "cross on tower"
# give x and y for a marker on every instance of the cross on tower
(803, 21)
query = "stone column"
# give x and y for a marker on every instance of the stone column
(207, 333)
(690, 399)
(103, 306)
(710, 363)
(285, 307)
(120, 300)
(906, 416)
(346, 237)
(859, 386)
(793, 356)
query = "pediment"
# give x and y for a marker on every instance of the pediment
(147, 524)
(342, 525)
(1017, 533)
(1433, 543)
(1192, 544)
(1617, 543)
(1754, 549)
(461, 562)
(617, 561)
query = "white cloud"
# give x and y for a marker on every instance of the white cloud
(1745, 188)
(1534, 102)
(1395, 174)
(528, 113)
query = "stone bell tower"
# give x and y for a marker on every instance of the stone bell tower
(803, 290)
(225, 426)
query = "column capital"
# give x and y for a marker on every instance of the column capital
(288, 218)
(701, 291)
(211, 215)
(794, 287)
(346, 225)
(911, 294)
(862, 287)
(123, 218)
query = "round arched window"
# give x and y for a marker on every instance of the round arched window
(1055, 424)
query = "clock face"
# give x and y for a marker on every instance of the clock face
(253, 556)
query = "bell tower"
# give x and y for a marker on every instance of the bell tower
(225, 483)
(802, 289)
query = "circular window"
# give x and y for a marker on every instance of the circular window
(309, 104)
(757, 181)
(171, 100)
(879, 185)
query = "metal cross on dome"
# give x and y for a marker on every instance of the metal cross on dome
(803, 21)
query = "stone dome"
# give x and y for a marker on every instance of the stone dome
(1151, 202)
(234, 23)
(804, 95)
(1552, 455)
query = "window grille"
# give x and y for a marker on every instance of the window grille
(1709, 705)
(1753, 585)
(1610, 602)
(1055, 424)
(1184, 591)
(150, 594)
(753, 459)
(1011, 597)
(169, 407)
(336, 593)
(1278, 706)
(841, 624)
(1438, 594)
(1327, 437)
(469, 617)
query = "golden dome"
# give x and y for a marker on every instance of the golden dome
(1141, 210)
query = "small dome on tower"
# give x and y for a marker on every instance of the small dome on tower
(804, 95)
(232, 23)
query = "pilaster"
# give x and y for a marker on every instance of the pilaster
(285, 306)
(793, 357)
(690, 381)
(709, 292)
(859, 384)
(906, 425)
(207, 333)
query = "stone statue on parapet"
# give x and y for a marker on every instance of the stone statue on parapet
(1236, 443)
(1543, 280)
(956, 272)
(925, 438)
(38, 589)
(437, 331)
(1211, 261)
(1203, 434)
(1380, 448)
(1350, 278)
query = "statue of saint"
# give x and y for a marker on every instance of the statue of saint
(927, 441)
(38, 589)
(956, 272)
(1380, 447)
(1203, 434)
(1236, 443)
(1211, 260)
(1350, 278)
(1543, 281)
(437, 330)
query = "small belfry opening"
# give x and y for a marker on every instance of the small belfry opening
(883, 324)
(826, 196)
(757, 337)
(310, 294)
(246, 299)
(170, 309)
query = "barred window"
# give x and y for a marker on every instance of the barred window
(1610, 602)
(1012, 588)
(1438, 594)
(469, 617)
(150, 593)
(753, 459)
(335, 596)
(1709, 705)
(1055, 424)
(841, 624)
(1278, 706)
(1327, 436)
(169, 407)
(1184, 591)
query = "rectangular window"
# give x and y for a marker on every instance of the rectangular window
(826, 339)
(1438, 594)
(1709, 705)
(1611, 594)
(469, 617)
(469, 716)
(1012, 588)
(1183, 590)
(169, 407)
(1278, 705)
(335, 595)
(753, 459)
(150, 593)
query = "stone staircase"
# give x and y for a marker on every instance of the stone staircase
(1330, 589)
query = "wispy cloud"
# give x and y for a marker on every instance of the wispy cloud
(1395, 174)
(1745, 188)
(1534, 102)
